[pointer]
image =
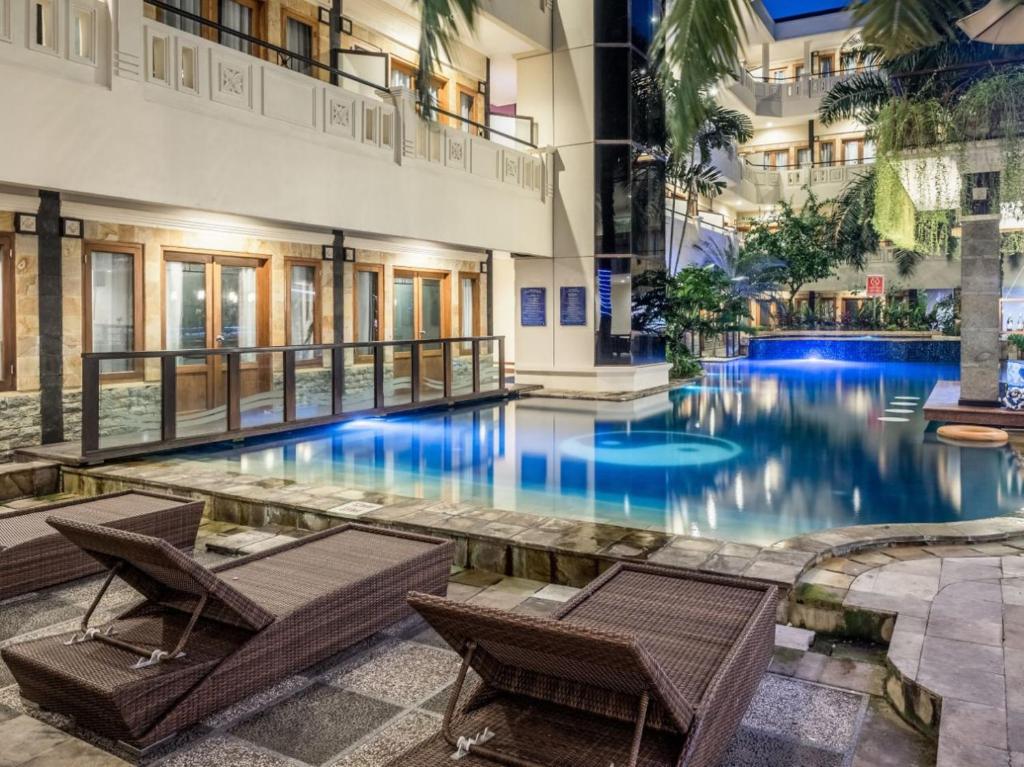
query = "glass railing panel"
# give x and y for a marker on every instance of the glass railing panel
(129, 406)
(261, 387)
(490, 376)
(200, 395)
(358, 390)
(462, 368)
(397, 374)
(431, 359)
(313, 396)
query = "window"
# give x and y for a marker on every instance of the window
(779, 75)
(177, 21)
(368, 302)
(853, 150)
(469, 304)
(826, 64)
(44, 24)
(467, 109)
(303, 311)
(242, 16)
(113, 304)
(799, 71)
(83, 34)
(778, 158)
(803, 157)
(299, 39)
(8, 359)
(401, 75)
(826, 151)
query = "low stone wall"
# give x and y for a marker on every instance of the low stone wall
(855, 349)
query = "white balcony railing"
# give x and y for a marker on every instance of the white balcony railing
(767, 186)
(784, 98)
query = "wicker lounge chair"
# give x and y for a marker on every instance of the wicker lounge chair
(33, 555)
(646, 667)
(204, 639)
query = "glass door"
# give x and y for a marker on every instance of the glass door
(214, 302)
(420, 301)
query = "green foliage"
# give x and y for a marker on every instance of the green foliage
(798, 243)
(900, 26)
(1016, 340)
(895, 216)
(438, 28)
(860, 97)
(852, 231)
(993, 108)
(1011, 246)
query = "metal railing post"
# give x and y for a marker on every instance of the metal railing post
(289, 386)
(234, 393)
(414, 369)
(168, 398)
(446, 363)
(476, 365)
(90, 405)
(378, 377)
(337, 380)
(501, 363)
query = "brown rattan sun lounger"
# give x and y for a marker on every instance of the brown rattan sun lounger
(203, 639)
(33, 555)
(646, 667)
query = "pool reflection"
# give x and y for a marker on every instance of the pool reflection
(760, 451)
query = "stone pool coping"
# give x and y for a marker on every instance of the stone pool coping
(562, 551)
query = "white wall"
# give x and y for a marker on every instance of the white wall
(273, 149)
(504, 276)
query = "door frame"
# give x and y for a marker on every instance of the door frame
(213, 315)
(317, 266)
(475, 298)
(446, 298)
(8, 325)
(137, 251)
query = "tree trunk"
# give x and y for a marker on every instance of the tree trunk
(672, 232)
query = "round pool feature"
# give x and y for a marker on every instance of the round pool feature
(651, 449)
(977, 436)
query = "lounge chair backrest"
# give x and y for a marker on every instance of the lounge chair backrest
(163, 574)
(580, 667)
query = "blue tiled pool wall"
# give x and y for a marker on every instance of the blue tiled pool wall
(855, 349)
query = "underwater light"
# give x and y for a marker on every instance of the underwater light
(650, 449)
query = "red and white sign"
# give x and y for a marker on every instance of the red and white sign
(876, 285)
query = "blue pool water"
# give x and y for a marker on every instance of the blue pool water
(759, 451)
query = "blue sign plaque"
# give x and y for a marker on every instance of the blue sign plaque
(533, 307)
(573, 305)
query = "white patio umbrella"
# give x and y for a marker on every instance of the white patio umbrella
(1001, 22)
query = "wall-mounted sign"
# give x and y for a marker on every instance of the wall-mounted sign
(876, 285)
(572, 305)
(533, 307)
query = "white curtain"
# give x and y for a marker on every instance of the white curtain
(239, 17)
(173, 302)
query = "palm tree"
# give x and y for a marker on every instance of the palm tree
(691, 167)
(439, 24)
(702, 40)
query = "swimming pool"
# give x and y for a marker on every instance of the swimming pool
(759, 451)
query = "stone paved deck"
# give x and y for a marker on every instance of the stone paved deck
(365, 706)
(956, 652)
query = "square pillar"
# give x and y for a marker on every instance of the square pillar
(981, 289)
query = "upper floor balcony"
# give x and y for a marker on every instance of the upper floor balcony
(768, 186)
(108, 100)
(785, 97)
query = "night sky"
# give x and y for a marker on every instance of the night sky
(782, 8)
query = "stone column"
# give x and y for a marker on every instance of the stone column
(51, 323)
(981, 289)
(766, 62)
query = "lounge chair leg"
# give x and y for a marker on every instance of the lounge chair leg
(638, 733)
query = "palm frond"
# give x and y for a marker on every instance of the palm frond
(852, 222)
(438, 28)
(907, 261)
(858, 97)
(899, 26)
(697, 44)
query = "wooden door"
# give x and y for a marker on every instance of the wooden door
(215, 301)
(421, 312)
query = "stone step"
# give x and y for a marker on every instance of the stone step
(793, 638)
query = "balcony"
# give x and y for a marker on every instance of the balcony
(794, 97)
(769, 186)
(128, 108)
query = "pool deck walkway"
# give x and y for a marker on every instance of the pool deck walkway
(944, 405)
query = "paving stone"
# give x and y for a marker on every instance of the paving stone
(235, 542)
(1015, 730)
(773, 571)
(793, 638)
(976, 569)
(75, 752)
(846, 566)
(953, 753)
(1013, 591)
(810, 667)
(875, 558)
(823, 577)
(460, 592)
(853, 675)
(972, 591)
(391, 741)
(939, 654)
(678, 557)
(904, 553)
(726, 565)
(973, 723)
(404, 673)
(23, 738)
(1013, 666)
(887, 741)
(477, 578)
(225, 751)
(533, 606)
(974, 687)
(556, 593)
(316, 724)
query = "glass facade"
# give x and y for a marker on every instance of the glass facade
(629, 179)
